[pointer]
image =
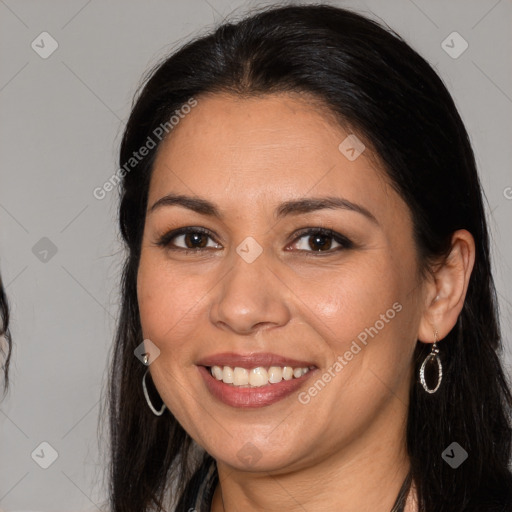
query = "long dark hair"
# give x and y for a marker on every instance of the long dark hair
(376, 84)
(6, 343)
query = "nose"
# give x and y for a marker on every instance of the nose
(250, 297)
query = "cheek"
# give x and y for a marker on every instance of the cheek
(168, 301)
(362, 314)
(344, 301)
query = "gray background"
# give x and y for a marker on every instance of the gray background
(62, 118)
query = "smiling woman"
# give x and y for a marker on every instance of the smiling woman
(308, 283)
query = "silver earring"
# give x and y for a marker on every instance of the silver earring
(433, 355)
(153, 410)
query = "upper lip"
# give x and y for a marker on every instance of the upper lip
(252, 360)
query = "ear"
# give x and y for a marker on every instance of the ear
(446, 292)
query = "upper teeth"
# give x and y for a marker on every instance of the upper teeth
(259, 376)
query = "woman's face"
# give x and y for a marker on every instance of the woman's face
(258, 292)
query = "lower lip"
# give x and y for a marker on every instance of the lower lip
(260, 396)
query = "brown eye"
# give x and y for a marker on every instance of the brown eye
(321, 240)
(195, 240)
(187, 239)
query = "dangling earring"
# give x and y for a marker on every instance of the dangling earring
(153, 410)
(433, 355)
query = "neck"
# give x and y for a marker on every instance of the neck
(366, 475)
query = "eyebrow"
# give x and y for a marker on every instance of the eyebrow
(292, 207)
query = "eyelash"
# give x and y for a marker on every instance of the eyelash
(165, 240)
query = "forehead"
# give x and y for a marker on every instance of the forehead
(278, 146)
(279, 124)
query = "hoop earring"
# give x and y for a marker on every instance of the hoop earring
(433, 355)
(153, 410)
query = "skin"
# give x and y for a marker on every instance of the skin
(345, 449)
